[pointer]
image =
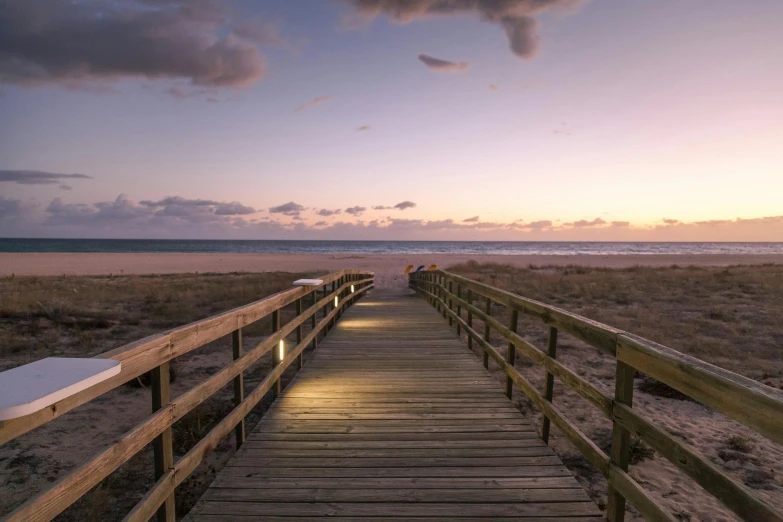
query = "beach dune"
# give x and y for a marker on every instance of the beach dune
(388, 268)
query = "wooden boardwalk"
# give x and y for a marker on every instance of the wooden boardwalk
(394, 418)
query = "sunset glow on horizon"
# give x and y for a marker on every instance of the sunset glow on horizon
(369, 119)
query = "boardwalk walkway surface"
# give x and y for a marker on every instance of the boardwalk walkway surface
(394, 418)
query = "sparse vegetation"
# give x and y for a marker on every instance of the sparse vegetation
(726, 316)
(84, 316)
(739, 443)
(729, 316)
(640, 451)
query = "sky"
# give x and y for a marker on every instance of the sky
(611, 120)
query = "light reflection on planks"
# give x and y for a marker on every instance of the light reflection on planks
(394, 419)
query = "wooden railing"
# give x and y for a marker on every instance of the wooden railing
(153, 354)
(753, 404)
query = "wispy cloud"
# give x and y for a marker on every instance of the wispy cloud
(290, 209)
(325, 212)
(403, 205)
(179, 217)
(37, 177)
(313, 103)
(583, 223)
(363, 128)
(356, 211)
(436, 64)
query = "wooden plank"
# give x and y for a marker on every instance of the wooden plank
(733, 494)
(471, 483)
(145, 354)
(236, 492)
(750, 402)
(621, 440)
(163, 449)
(239, 385)
(549, 387)
(511, 350)
(373, 509)
(394, 418)
(264, 518)
(185, 466)
(416, 473)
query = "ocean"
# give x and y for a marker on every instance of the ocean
(381, 247)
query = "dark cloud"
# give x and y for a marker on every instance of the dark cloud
(583, 223)
(671, 221)
(287, 209)
(522, 33)
(76, 44)
(363, 128)
(177, 217)
(36, 177)
(178, 206)
(313, 103)
(405, 205)
(13, 209)
(514, 16)
(325, 212)
(436, 64)
(493, 87)
(537, 225)
(355, 211)
(233, 209)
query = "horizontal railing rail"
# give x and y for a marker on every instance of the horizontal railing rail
(153, 354)
(749, 402)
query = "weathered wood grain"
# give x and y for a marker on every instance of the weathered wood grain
(393, 417)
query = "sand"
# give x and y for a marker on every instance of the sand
(36, 459)
(388, 268)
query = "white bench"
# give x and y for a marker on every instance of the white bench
(35, 386)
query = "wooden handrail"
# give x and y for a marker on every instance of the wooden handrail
(154, 354)
(753, 404)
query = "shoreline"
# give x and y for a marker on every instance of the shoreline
(387, 267)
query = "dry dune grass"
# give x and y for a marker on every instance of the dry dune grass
(83, 316)
(727, 316)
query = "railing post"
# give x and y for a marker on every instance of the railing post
(276, 355)
(511, 351)
(163, 445)
(451, 301)
(488, 311)
(459, 307)
(621, 440)
(470, 318)
(332, 321)
(239, 385)
(435, 290)
(313, 319)
(442, 289)
(549, 390)
(299, 330)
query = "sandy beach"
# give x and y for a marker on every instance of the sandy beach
(388, 268)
